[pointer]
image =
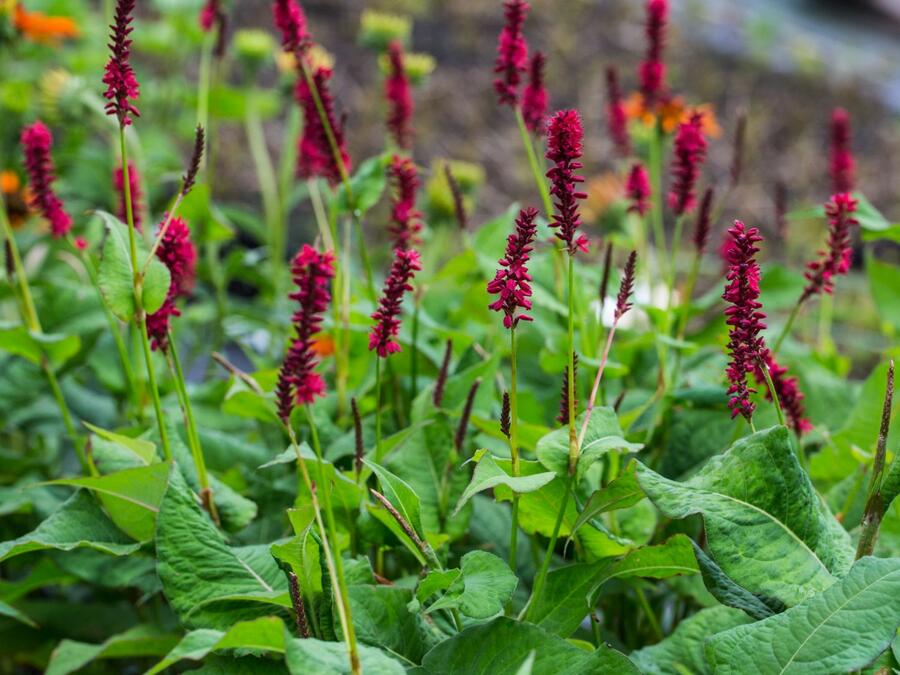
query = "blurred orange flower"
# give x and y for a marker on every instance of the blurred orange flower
(671, 111)
(15, 196)
(39, 27)
(323, 345)
(602, 190)
(9, 182)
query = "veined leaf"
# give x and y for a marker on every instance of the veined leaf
(766, 527)
(726, 591)
(306, 656)
(839, 630)
(620, 493)
(381, 619)
(16, 339)
(486, 586)
(145, 450)
(489, 475)
(70, 656)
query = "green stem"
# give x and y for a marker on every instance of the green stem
(414, 352)
(377, 408)
(570, 345)
(539, 178)
(541, 577)
(513, 448)
(656, 211)
(774, 394)
(265, 173)
(204, 79)
(787, 327)
(140, 315)
(671, 265)
(206, 492)
(648, 612)
(287, 163)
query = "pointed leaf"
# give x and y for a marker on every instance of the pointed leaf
(140, 641)
(620, 493)
(308, 656)
(489, 475)
(603, 435)
(487, 585)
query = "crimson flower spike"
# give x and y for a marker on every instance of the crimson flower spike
(298, 381)
(534, 97)
(745, 343)
(399, 98)
(180, 256)
(208, 15)
(637, 189)
(314, 156)
(652, 71)
(616, 119)
(36, 143)
(703, 224)
(564, 148)
(835, 260)
(512, 53)
(688, 155)
(134, 183)
(406, 221)
(841, 162)
(121, 84)
(387, 316)
(786, 389)
(512, 282)
(291, 23)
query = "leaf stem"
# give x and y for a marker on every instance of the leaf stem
(539, 178)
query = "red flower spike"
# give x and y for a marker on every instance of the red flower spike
(688, 155)
(36, 143)
(178, 254)
(626, 288)
(745, 343)
(399, 97)
(616, 118)
(208, 15)
(835, 260)
(121, 84)
(315, 157)
(298, 382)
(291, 22)
(406, 223)
(703, 224)
(512, 53)
(637, 188)
(564, 148)
(841, 162)
(512, 283)
(534, 97)
(134, 184)
(789, 395)
(652, 71)
(387, 316)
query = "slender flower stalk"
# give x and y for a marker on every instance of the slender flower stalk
(565, 403)
(398, 94)
(406, 220)
(535, 100)
(604, 279)
(784, 391)
(459, 207)
(745, 342)
(512, 53)
(841, 165)
(136, 194)
(700, 239)
(36, 143)
(437, 396)
(460, 437)
(359, 452)
(616, 119)
(512, 285)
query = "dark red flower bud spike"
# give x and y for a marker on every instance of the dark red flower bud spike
(535, 99)
(121, 84)
(398, 94)
(512, 53)
(616, 118)
(460, 436)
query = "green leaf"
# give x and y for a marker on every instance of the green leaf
(307, 656)
(726, 591)
(381, 619)
(197, 568)
(567, 596)
(263, 634)
(884, 281)
(839, 630)
(499, 647)
(489, 475)
(116, 275)
(620, 493)
(682, 651)
(11, 612)
(766, 526)
(140, 641)
(400, 495)
(487, 585)
(143, 449)
(367, 185)
(603, 435)
(16, 339)
(131, 496)
(78, 523)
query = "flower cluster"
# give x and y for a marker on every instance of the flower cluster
(836, 259)
(744, 316)
(134, 186)
(121, 84)
(564, 148)
(209, 14)
(689, 153)
(637, 188)
(177, 252)
(652, 71)
(315, 156)
(291, 22)
(789, 395)
(534, 97)
(399, 97)
(512, 53)
(406, 221)
(298, 382)
(841, 163)
(512, 283)
(616, 117)
(703, 224)
(387, 316)
(36, 142)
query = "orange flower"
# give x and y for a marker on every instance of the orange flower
(323, 345)
(38, 27)
(671, 111)
(15, 196)
(9, 182)
(602, 190)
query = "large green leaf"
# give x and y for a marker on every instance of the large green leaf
(16, 339)
(766, 526)
(488, 475)
(381, 619)
(143, 449)
(262, 634)
(198, 569)
(140, 641)
(116, 274)
(483, 587)
(399, 493)
(502, 645)
(78, 523)
(11, 612)
(884, 280)
(836, 631)
(569, 591)
(682, 651)
(308, 656)
(620, 493)
(603, 434)
(726, 591)
(367, 184)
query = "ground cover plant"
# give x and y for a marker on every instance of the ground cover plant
(362, 429)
